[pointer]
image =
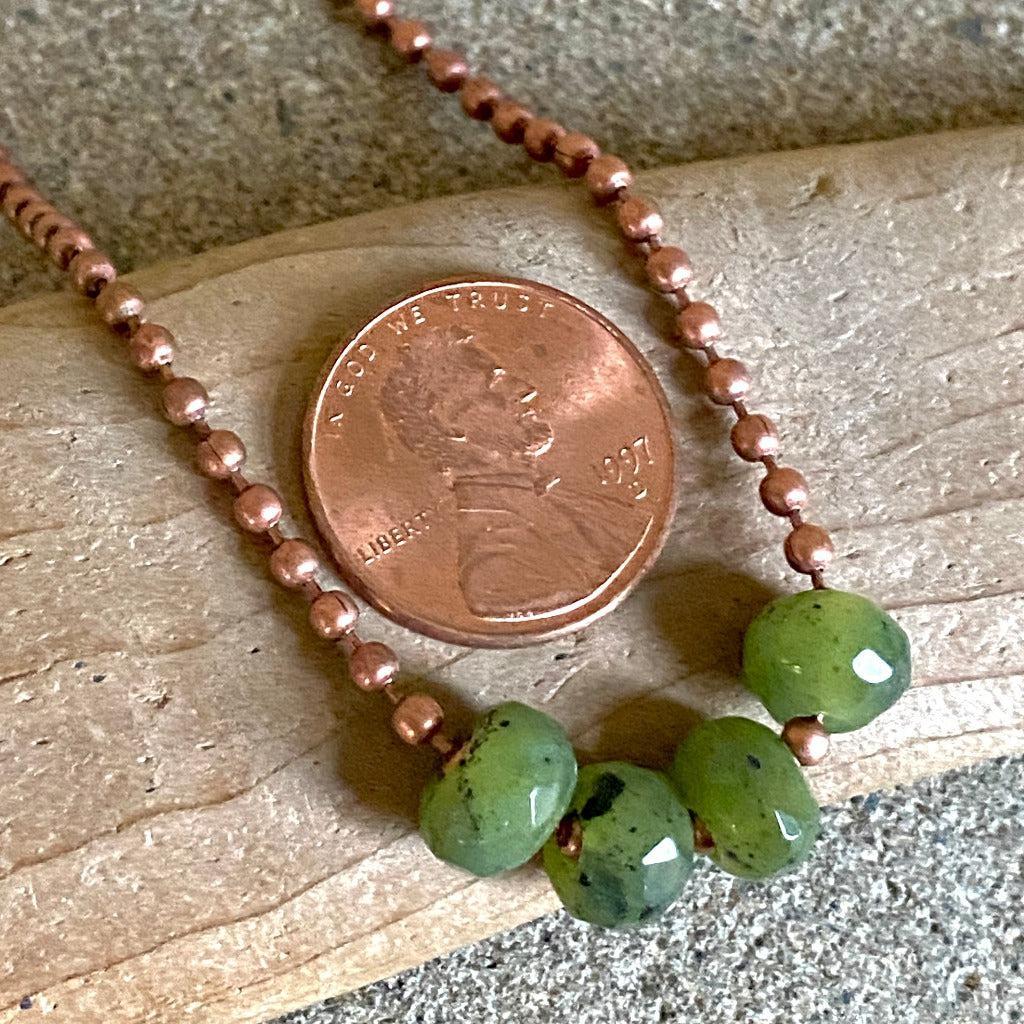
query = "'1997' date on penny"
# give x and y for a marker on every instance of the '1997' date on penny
(531, 435)
(627, 468)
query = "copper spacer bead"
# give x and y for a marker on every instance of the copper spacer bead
(333, 614)
(703, 840)
(293, 563)
(755, 437)
(726, 381)
(48, 223)
(784, 490)
(150, 347)
(509, 120)
(18, 195)
(807, 739)
(185, 401)
(809, 548)
(66, 243)
(698, 325)
(416, 718)
(639, 219)
(541, 137)
(373, 666)
(569, 836)
(375, 12)
(606, 176)
(30, 213)
(573, 153)
(409, 38)
(118, 303)
(669, 268)
(478, 96)
(258, 508)
(446, 69)
(220, 454)
(90, 271)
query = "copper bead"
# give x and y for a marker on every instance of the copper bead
(416, 718)
(755, 437)
(809, 548)
(293, 563)
(669, 269)
(726, 381)
(90, 271)
(606, 176)
(373, 666)
(409, 38)
(509, 120)
(220, 454)
(569, 836)
(540, 138)
(639, 220)
(258, 508)
(703, 840)
(375, 12)
(446, 69)
(119, 303)
(151, 346)
(185, 401)
(65, 243)
(478, 96)
(333, 614)
(573, 153)
(807, 739)
(784, 490)
(698, 325)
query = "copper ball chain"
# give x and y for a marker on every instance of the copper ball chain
(417, 718)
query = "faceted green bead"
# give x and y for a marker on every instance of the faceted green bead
(504, 793)
(636, 846)
(741, 780)
(829, 653)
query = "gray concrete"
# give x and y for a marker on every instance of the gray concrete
(171, 127)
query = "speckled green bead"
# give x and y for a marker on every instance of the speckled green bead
(636, 846)
(828, 653)
(741, 780)
(504, 793)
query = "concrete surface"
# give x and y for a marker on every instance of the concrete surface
(173, 127)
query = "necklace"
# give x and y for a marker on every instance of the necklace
(618, 840)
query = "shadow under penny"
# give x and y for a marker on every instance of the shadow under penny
(703, 610)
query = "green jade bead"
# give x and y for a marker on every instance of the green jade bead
(503, 794)
(741, 780)
(827, 653)
(635, 846)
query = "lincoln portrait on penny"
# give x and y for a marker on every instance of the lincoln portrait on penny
(530, 541)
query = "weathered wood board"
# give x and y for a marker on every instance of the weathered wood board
(201, 821)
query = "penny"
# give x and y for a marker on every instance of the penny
(490, 462)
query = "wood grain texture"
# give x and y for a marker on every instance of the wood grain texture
(201, 821)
